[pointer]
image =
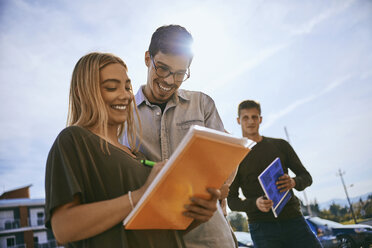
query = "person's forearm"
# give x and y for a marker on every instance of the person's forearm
(75, 221)
(302, 181)
(237, 204)
(303, 178)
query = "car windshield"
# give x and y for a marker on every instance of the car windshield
(323, 222)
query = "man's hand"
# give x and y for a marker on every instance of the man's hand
(224, 191)
(202, 210)
(263, 204)
(285, 183)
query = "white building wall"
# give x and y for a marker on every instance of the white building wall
(42, 236)
(3, 240)
(5, 215)
(34, 216)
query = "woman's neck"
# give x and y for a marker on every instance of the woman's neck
(112, 134)
(112, 138)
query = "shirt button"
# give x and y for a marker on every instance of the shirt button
(157, 113)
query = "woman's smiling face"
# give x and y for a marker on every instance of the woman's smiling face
(116, 91)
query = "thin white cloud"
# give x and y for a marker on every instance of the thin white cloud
(309, 26)
(366, 75)
(261, 58)
(272, 118)
(269, 52)
(248, 66)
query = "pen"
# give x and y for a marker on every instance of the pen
(148, 162)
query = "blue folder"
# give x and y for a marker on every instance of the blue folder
(267, 180)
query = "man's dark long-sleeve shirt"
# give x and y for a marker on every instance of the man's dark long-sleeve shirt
(262, 154)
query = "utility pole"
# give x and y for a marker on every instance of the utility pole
(340, 173)
(305, 196)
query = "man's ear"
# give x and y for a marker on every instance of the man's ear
(147, 59)
(238, 120)
(260, 119)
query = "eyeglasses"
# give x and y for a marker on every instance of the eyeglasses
(164, 72)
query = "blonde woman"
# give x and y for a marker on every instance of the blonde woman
(92, 181)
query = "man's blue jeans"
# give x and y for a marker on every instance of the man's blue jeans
(288, 233)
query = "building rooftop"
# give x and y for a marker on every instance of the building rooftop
(22, 192)
(6, 203)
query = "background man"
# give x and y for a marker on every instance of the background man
(290, 228)
(167, 112)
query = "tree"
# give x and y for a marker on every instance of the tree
(238, 221)
(335, 209)
(363, 209)
(368, 207)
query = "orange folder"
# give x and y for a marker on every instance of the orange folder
(205, 158)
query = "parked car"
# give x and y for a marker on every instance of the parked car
(324, 235)
(244, 239)
(348, 236)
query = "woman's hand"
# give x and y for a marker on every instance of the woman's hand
(155, 170)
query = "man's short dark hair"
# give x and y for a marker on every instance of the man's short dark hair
(248, 104)
(171, 39)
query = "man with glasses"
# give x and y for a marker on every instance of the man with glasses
(167, 112)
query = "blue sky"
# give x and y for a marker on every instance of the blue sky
(309, 63)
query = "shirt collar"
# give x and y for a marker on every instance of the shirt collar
(182, 95)
(140, 97)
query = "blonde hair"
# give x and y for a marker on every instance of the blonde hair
(86, 106)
